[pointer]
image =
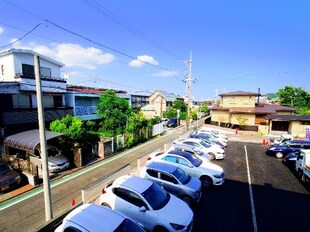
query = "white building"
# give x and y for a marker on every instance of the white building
(18, 101)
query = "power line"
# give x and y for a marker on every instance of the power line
(92, 41)
(33, 29)
(130, 28)
(109, 48)
(22, 9)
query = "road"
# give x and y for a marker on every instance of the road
(279, 201)
(26, 212)
(259, 195)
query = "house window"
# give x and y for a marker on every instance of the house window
(57, 101)
(28, 70)
(47, 101)
(45, 72)
(2, 69)
(305, 123)
(21, 101)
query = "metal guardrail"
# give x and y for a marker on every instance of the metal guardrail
(89, 194)
(93, 191)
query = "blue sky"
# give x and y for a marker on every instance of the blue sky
(236, 45)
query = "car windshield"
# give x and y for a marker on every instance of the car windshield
(128, 226)
(194, 160)
(51, 152)
(156, 196)
(198, 152)
(4, 168)
(181, 176)
(203, 143)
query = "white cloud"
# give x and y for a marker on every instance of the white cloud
(139, 62)
(165, 73)
(1, 30)
(72, 55)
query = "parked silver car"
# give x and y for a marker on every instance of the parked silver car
(174, 180)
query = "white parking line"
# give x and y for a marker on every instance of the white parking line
(251, 192)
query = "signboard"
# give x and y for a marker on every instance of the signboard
(308, 132)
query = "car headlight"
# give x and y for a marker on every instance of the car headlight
(271, 149)
(52, 165)
(17, 178)
(177, 226)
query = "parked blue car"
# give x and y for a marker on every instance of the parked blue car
(284, 150)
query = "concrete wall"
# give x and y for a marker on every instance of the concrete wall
(243, 119)
(238, 101)
(297, 129)
(220, 116)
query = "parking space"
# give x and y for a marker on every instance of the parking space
(280, 201)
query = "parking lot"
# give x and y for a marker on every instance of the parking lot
(279, 201)
(273, 201)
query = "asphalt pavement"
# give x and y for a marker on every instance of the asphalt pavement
(26, 211)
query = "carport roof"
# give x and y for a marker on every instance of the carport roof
(28, 140)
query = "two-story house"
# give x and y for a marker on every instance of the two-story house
(18, 101)
(139, 99)
(84, 100)
(242, 110)
(161, 101)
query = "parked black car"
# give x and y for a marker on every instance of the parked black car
(172, 122)
(293, 146)
(9, 178)
(290, 159)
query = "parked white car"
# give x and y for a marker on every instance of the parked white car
(146, 203)
(97, 218)
(207, 172)
(191, 149)
(174, 180)
(214, 151)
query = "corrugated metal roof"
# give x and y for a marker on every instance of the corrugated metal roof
(28, 140)
(45, 89)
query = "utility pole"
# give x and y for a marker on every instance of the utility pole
(188, 80)
(46, 178)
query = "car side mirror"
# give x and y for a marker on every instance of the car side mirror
(142, 209)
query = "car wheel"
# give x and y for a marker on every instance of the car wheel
(160, 229)
(212, 156)
(279, 155)
(106, 205)
(187, 199)
(206, 181)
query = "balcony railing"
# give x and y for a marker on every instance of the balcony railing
(85, 110)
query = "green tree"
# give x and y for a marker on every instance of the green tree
(71, 126)
(203, 108)
(295, 97)
(136, 121)
(114, 111)
(179, 105)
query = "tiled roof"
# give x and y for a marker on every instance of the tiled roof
(240, 93)
(260, 109)
(289, 117)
